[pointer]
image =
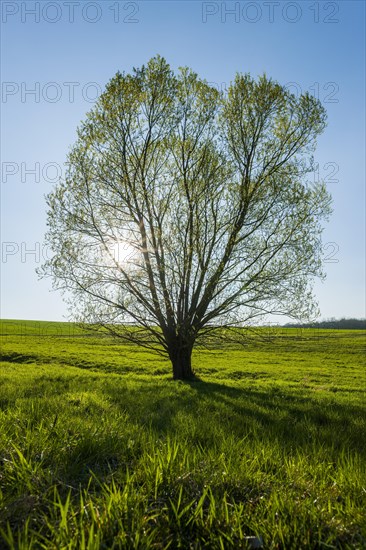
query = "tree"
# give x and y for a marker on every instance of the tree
(185, 210)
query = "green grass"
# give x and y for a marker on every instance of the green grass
(99, 448)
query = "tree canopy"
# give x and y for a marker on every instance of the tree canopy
(184, 209)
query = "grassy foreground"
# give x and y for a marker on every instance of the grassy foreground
(99, 448)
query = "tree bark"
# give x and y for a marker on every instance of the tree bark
(181, 358)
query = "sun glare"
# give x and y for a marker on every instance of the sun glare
(122, 253)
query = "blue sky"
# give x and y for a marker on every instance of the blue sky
(57, 56)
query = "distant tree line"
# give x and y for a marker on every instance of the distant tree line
(332, 323)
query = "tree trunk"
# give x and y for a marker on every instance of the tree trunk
(180, 356)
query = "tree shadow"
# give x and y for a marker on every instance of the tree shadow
(285, 417)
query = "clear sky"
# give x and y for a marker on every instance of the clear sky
(58, 55)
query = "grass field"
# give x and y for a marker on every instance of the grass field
(99, 448)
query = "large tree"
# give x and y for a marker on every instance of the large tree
(184, 209)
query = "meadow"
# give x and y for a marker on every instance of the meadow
(101, 449)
